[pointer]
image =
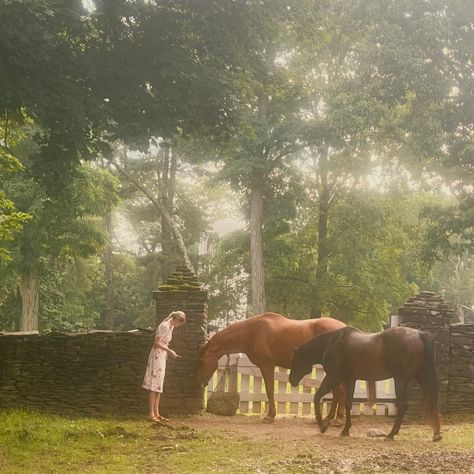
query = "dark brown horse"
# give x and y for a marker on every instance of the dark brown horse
(349, 354)
(269, 340)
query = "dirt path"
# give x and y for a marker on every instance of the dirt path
(304, 449)
(295, 428)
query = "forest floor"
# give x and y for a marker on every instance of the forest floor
(32, 442)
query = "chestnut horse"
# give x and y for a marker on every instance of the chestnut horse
(348, 354)
(268, 340)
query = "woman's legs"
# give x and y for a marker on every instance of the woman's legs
(157, 408)
(152, 404)
(157, 404)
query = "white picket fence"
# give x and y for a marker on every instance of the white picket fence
(296, 400)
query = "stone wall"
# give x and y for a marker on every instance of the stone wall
(183, 292)
(101, 372)
(454, 345)
(429, 312)
(461, 369)
(85, 374)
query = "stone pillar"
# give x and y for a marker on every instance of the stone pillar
(461, 369)
(183, 292)
(429, 312)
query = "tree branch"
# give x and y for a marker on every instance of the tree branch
(161, 209)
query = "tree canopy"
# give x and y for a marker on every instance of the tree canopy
(339, 133)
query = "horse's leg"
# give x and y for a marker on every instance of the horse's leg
(326, 386)
(268, 374)
(436, 426)
(338, 402)
(350, 385)
(431, 406)
(401, 386)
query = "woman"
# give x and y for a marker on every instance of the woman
(155, 371)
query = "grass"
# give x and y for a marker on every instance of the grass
(32, 442)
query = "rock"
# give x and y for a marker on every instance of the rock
(375, 433)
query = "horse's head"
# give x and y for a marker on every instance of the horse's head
(301, 365)
(208, 360)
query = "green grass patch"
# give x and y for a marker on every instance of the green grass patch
(32, 442)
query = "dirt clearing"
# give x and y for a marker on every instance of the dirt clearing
(302, 448)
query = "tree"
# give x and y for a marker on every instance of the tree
(431, 126)
(226, 272)
(374, 241)
(11, 221)
(386, 85)
(47, 45)
(159, 195)
(265, 107)
(60, 227)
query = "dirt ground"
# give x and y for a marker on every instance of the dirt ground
(304, 449)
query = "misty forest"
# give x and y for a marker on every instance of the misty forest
(307, 158)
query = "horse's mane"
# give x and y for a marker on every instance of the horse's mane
(316, 347)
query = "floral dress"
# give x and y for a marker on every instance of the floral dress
(155, 370)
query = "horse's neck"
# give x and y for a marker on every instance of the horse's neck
(315, 349)
(318, 346)
(230, 342)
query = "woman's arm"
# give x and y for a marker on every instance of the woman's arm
(159, 345)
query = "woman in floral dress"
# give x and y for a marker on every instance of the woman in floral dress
(155, 371)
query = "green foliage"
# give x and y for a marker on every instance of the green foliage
(11, 220)
(133, 305)
(374, 245)
(71, 297)
(225, 273)
(63, 223)
(451, 230)
(244, 85)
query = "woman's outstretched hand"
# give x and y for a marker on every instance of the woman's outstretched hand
(173, 354)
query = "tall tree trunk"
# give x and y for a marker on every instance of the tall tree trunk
(323, 249)
(29, 302)
(168, 185)
(256, 245)
(257, 270)
(109, 274)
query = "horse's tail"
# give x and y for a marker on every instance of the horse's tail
(429, 376)
(371, 392)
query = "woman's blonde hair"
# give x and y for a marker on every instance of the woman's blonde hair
(179, 315)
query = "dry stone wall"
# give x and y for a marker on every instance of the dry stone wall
(101, 372)
(454, 345)
(429, 312)
(85, 374)
(461, 369)
(183, 292)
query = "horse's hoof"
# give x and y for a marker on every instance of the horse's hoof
(344, 433)
(268, 419)
(437, 437)
(388, 438)
(336, 423)
(323, 427)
